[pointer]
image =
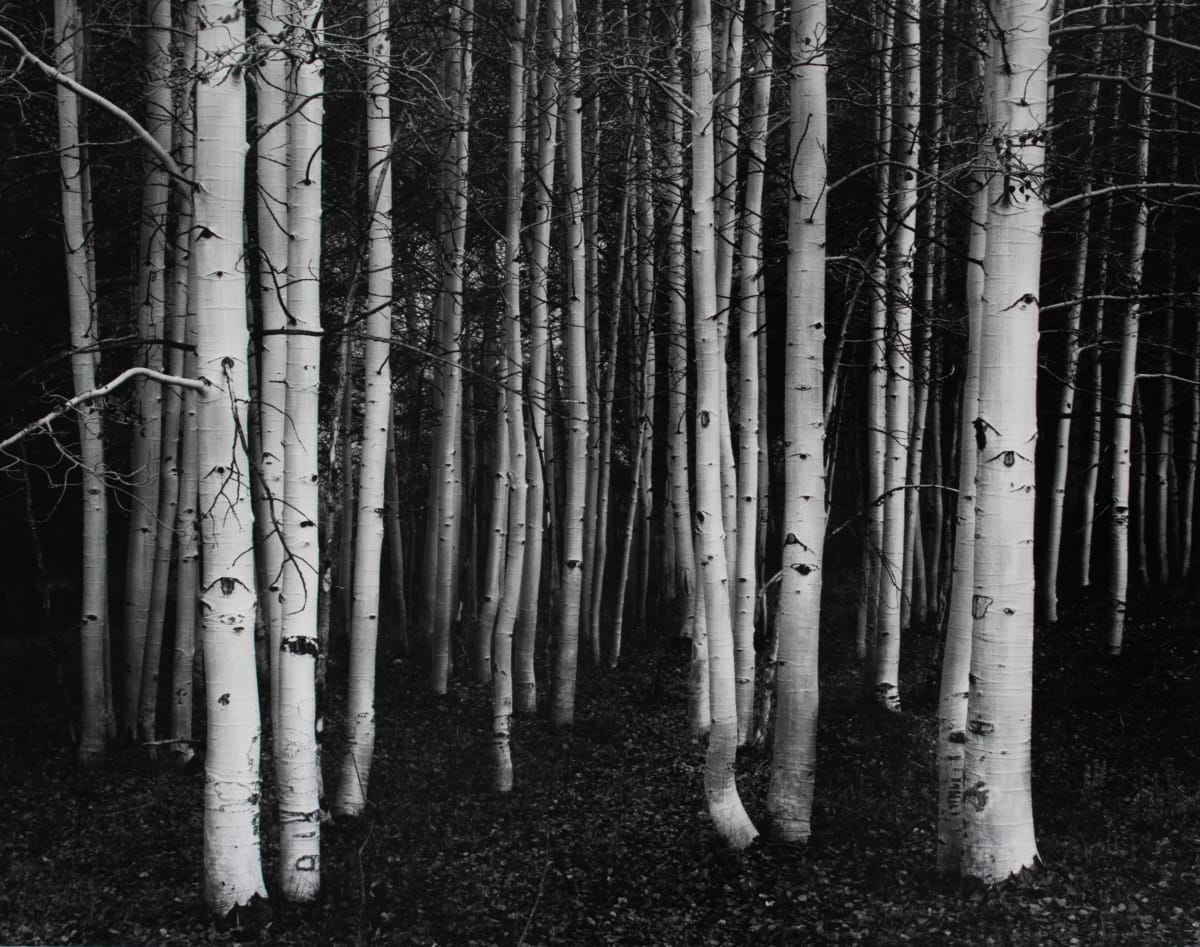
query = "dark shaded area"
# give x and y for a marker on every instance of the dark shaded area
(604, 840)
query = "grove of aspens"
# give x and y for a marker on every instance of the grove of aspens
(600, 472)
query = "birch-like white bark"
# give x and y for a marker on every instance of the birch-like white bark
(575, 394)
(232, 788)
(1123, 396)
(271, 168)
(354, 781)
(84, 335)
(749, 326)
(998, 837)
(732, 824)
(793, 768)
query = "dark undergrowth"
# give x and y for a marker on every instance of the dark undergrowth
(605, 841)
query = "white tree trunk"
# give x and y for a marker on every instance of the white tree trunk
(232, 789)
(353, 783)
(272, 209)
(84, 333)
(575, 394)
(525, 634)
(1122, 432)
(151, 304)
(1050, 555)
(793, 769)
(956, 654)
(998, 837)
(899, 362)
(732, 823)
(675, 281)
(449, 436)
(749, 325)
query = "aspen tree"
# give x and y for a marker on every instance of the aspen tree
(186, 525)
(1187, 490)
(793, 768)
(513, 422)
(496, 530)
(1122, 431)
(296, 766)
(998, 837)
(956, 652)
(604, 488)
(575, 395)
(146, 454)
(84, 335)
(732, 824)
(162, 405)
(351, 794)
(876, 401)
(1093, 435)
(678, 440)
(749, 326)
(1050, 555)
(455, 165)
(232, 863)
(271, 169)
(899, 360)
(525, 633)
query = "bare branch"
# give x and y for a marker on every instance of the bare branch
(100, 391)
(95, 97)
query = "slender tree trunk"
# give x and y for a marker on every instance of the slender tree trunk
(271, 169)
(899, 361)
(749, 325)
(956, 652)
(1051, 555)
(1127, 367)
(877, 449)
(574, 384)
(1094, 414)
(692, 623)
(449, 437)
(84, 335)
(525, 633)
(998, 837)
(232, 788)
(296, 766)
(377, 410)
(147, 436)
(732, 823)
(789, 798)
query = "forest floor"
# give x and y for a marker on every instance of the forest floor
(605, 841)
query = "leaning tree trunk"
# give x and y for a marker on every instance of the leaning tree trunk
(789, 798)
(232, 788)
(998, 837)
